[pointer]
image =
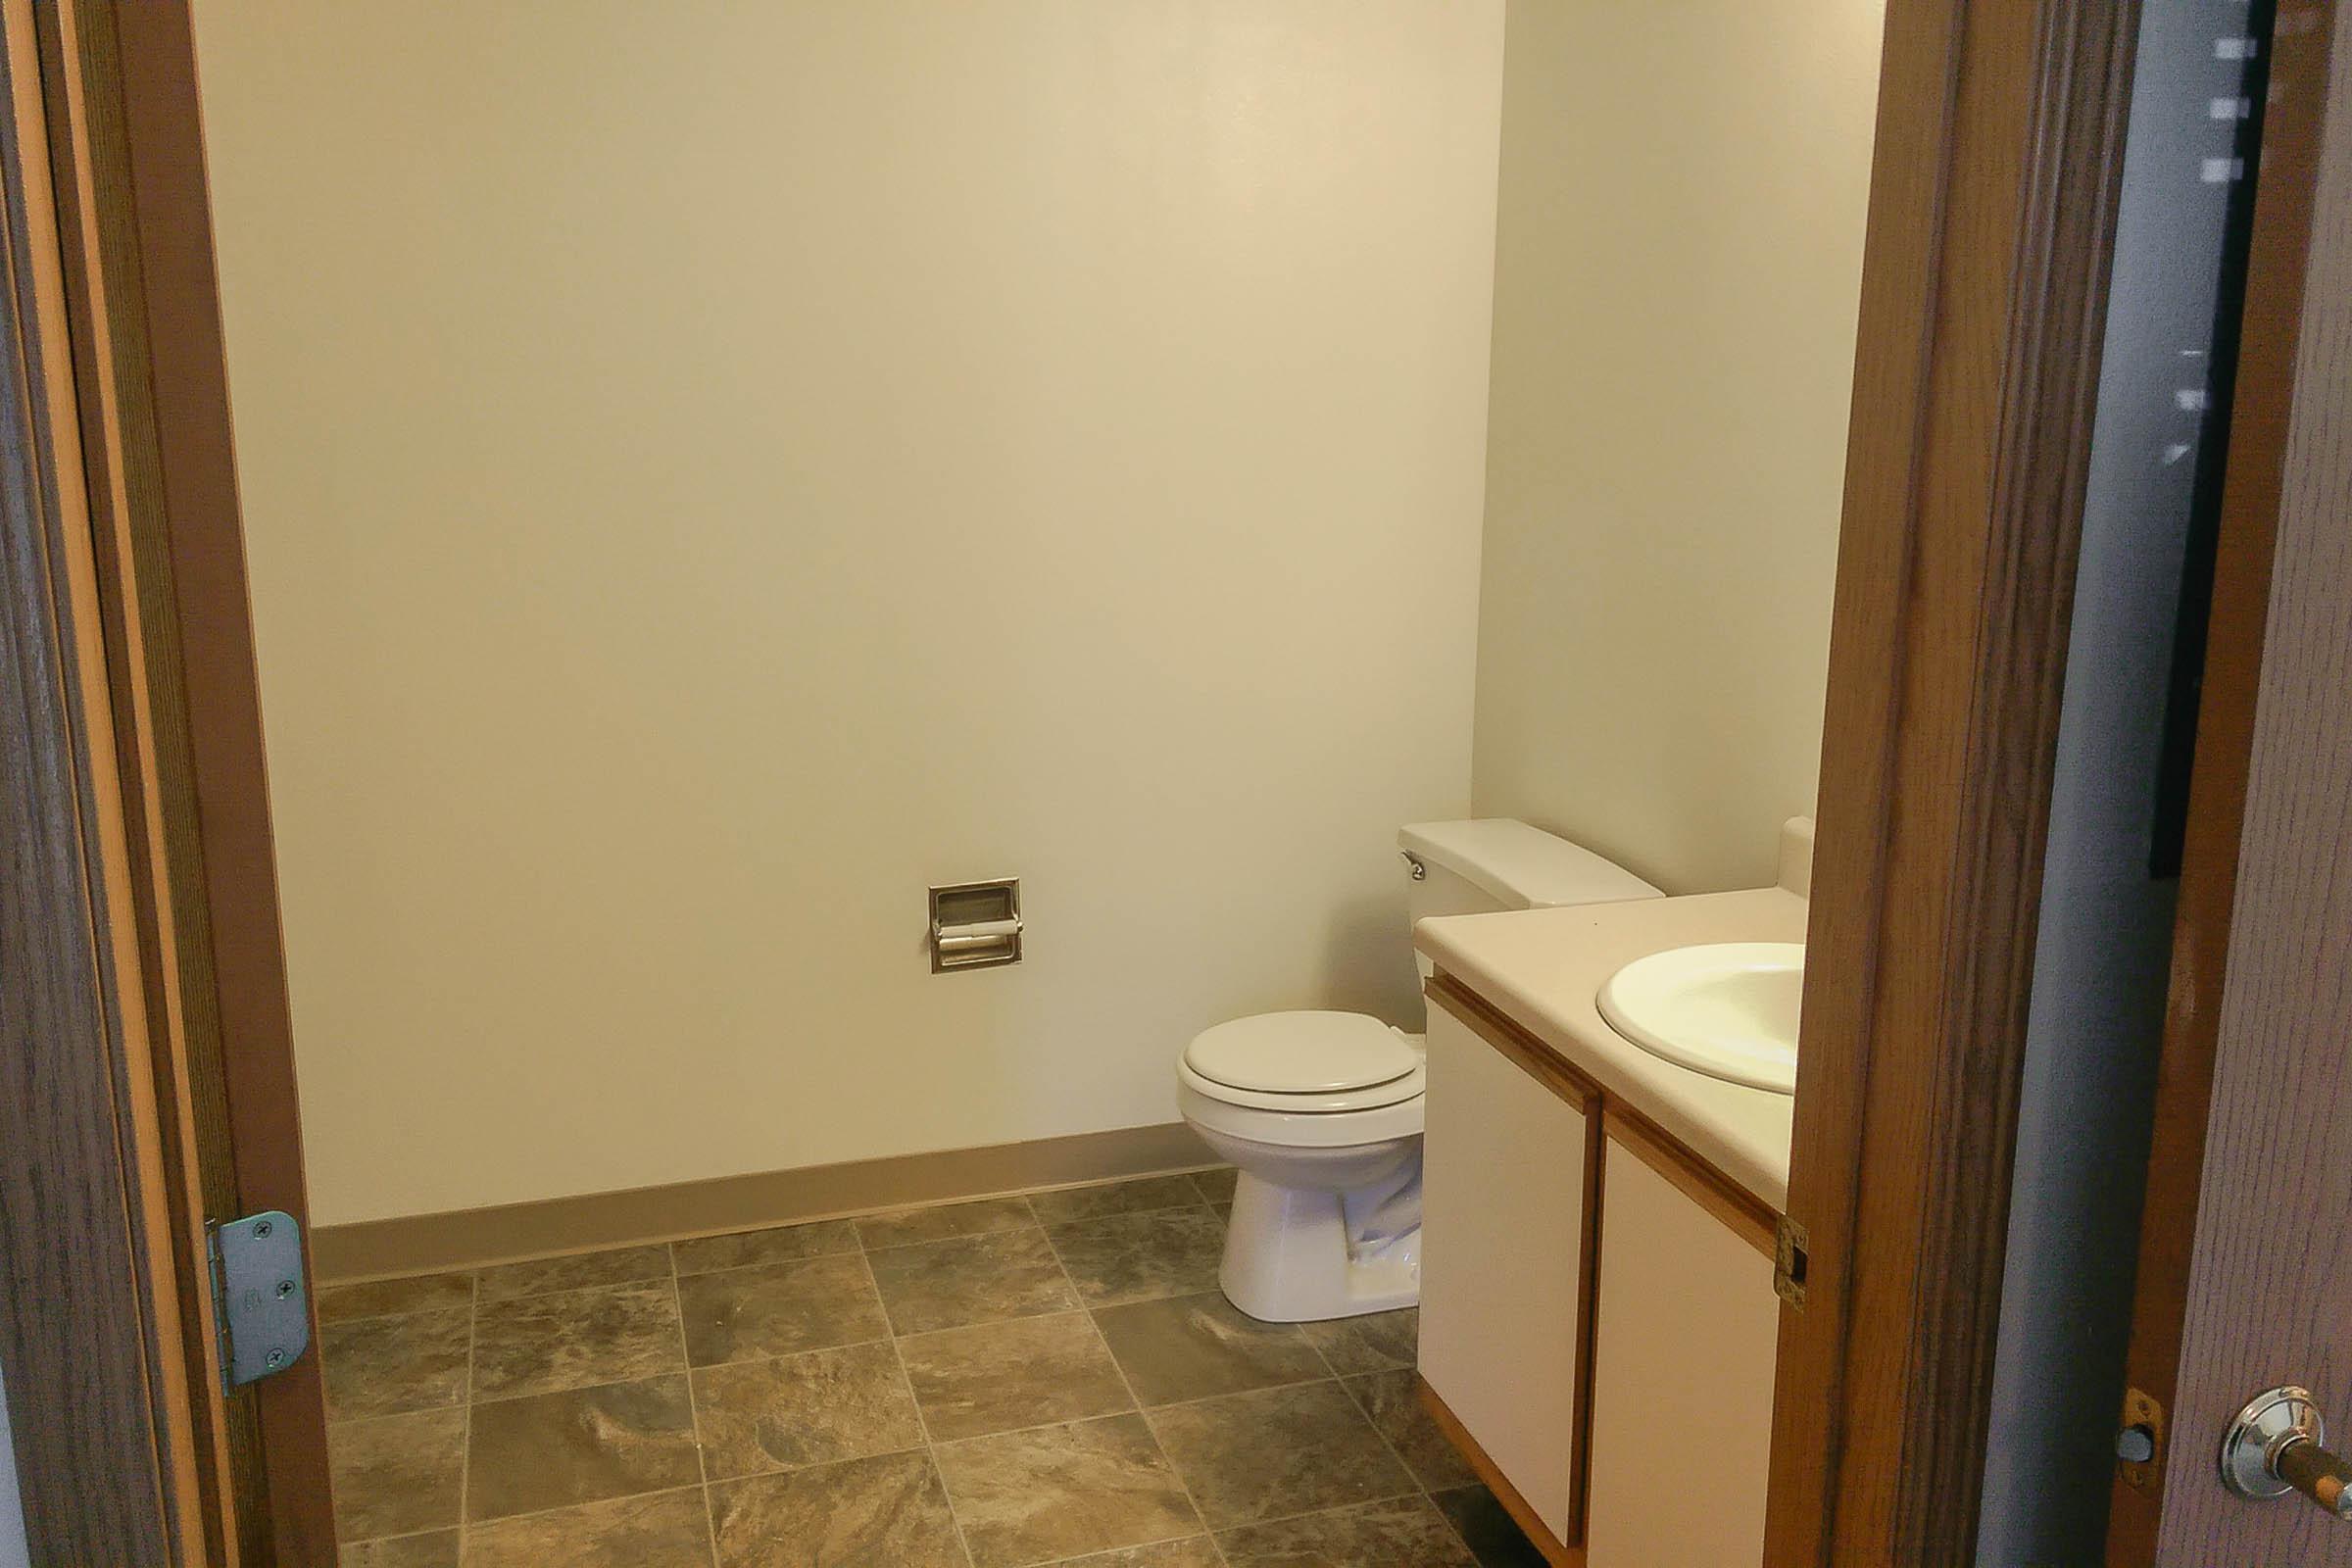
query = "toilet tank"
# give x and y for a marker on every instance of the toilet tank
(1490, 864)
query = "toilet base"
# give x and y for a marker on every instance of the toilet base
(1300, 1254)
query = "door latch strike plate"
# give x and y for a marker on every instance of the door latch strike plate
(2140, 1441)
(259, 1301)
(1789, 1244)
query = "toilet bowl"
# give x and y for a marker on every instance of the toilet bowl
(1320, 1111)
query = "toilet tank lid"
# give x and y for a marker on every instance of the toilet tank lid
(1519, 866)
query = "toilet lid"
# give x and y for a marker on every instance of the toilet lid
(1302, 1052)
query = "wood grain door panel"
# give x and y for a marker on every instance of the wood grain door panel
(2264, 1282)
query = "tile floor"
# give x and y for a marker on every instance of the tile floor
(1045, 1379)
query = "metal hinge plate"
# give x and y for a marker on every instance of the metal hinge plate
(259, 1301)
(1789, 1244)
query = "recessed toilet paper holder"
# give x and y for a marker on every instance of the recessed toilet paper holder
(975, 925)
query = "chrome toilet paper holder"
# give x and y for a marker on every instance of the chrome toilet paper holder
(975, 925)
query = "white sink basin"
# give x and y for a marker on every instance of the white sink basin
(1727, 1009)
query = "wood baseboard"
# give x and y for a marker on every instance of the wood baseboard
(1522, 1512)
(472, 1238)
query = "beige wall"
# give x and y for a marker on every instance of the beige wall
(712, 471)
(1683, 185)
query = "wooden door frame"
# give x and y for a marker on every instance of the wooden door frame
(1984, 305)
(140, 444)
(106, 1386)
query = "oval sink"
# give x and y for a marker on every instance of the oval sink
(1727, 1009)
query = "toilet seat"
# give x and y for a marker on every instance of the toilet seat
(1304, 1063)
(1287, 1128)
(1396, 1091)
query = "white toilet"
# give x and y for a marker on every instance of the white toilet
(1321, 1112)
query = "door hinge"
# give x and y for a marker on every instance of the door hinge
(260, 1305)
(2140, 1441)
(1788, 1245)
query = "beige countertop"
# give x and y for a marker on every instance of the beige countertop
(1543, 968)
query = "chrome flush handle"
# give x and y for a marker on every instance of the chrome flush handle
(2278, 1445)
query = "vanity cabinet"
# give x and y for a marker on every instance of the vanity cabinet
(1684, 1333)
(1504, 1231)
(1593, 1297)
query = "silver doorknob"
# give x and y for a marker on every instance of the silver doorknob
(2278, 1445)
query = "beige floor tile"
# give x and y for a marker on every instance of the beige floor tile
(1398, 1533)
(906, 1227)
(1028, 1328)
(387, 1365)
(419, 1293)
(970, 1279)
(398, 1474)
(884, 1510)
(1392, 1401)
(552, 1450)
(662, 1530)
(818, 1407)
(1136, 1258)
(543, 1276)
(779, 1244)
(1052, 1493)
(1216, 1184)
(1138, 1196)
(571, 1339)
(435, 1549)
(1192, 1347)
(1250, 1458)
(780, 1309)
(1377, 1341)
(1026, 1372)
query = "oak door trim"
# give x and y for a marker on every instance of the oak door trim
(140, 672)
(171, 603)
(2254, 487)
(141, 285)
(1994, 189)
(103, 1381)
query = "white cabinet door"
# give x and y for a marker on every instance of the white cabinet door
(1686, 1337)
(1502, 1237)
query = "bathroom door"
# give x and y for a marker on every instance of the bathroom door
(2245, 1272)
(146, 1085)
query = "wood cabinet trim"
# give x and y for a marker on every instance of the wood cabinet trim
(1523, 1513)
(1588, 1320)
(1491, 1024)
(1736, 1209)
